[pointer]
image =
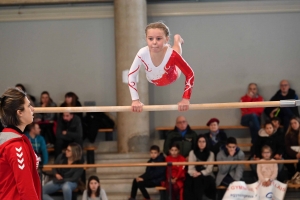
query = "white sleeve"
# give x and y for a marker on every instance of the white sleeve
(103, 195)
(133, 76)
(84, 195)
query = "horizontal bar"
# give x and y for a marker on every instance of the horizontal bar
(204, 106)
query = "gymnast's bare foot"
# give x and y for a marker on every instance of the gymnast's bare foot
(178, 41)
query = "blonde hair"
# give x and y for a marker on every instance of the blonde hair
(290, 129)
(11, 101)
(76, 151)
(159, 25)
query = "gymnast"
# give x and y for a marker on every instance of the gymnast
(163, 65)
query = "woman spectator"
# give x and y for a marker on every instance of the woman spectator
(292, 144)
(72, 100)
(200, 178)
(65, 178)
(18, 163)
(94, 190)
(216, 137)
(45, 101)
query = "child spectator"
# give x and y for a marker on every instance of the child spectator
(200, 178)
(216, 137)
(94, 190)
(266, 172)
(230, 173)
(38, 142)
(178, 172)
(152, 177)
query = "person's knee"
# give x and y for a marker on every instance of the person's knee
(66, 187)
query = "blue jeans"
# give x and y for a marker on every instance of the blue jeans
(66, 188)
(253, 122)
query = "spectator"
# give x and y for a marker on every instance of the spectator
(72, 100)
(30, 97)
(230, 173)
(200, 178)
(47, 121)
(65, 178)
(152, 177)
(94, 190)
(273, 141)
(45, 101)
(285, 114)
(266, 172)
(277, 129)
(69, 129)
(292, 145)
(38, 142)
(216, 137)
(251, 116)
(178, 172)
(182, 135)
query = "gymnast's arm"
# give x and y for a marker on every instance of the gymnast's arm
(189, 81)
(136, 105)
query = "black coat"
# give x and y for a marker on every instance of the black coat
(155, 174)
(221, 138)
(274, 141)
(278, 96)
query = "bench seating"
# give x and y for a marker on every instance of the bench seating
(168, 128)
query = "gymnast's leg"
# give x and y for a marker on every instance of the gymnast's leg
(178, 41)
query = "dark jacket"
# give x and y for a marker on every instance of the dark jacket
(68, 174)
(155, 174)
(278, 96)
(291, 139)
(221, 138)
(186, 143)
(73, 128)
(274, 141)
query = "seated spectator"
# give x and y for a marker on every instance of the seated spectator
(292, 145)
(47, 121)
(266, 172)
(216, 137)
(38, 143)
(30, 97)
(285, 114)
(72, 100)
(152, 176)
(94, 190)
(182, 135)
(273, 141)
(69, 129)
(277, 129)
(65, 179)
(45, 101)
(200, 178)
(251, 116)
(230, 173)
(178, 172)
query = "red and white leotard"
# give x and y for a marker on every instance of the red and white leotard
(166, 73)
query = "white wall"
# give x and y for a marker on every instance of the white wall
(225, 51)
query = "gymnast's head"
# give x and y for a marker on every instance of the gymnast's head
(15, 108)
(158, 25)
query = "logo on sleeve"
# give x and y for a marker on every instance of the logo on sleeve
(20, 158)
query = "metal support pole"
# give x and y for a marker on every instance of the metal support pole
(287, 103)
(169, 168)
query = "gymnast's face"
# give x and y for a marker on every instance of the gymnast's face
(156, 40)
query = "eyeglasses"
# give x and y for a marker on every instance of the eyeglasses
(181, 122)
(284, 85)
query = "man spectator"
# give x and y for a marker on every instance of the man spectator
(251, 116)
(69, 129)
(229, 173)
(216, 137)
(182, 135)
(285, 114)
(38, 142)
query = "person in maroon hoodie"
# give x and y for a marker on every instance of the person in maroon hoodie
(251, 116)
(19, 179)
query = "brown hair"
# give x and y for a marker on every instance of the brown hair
(32, 126)
(159, 25)
(266, 147)
(74, 98)
(290, 129)
(11, 101)
(76, 151)
(50, 100)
